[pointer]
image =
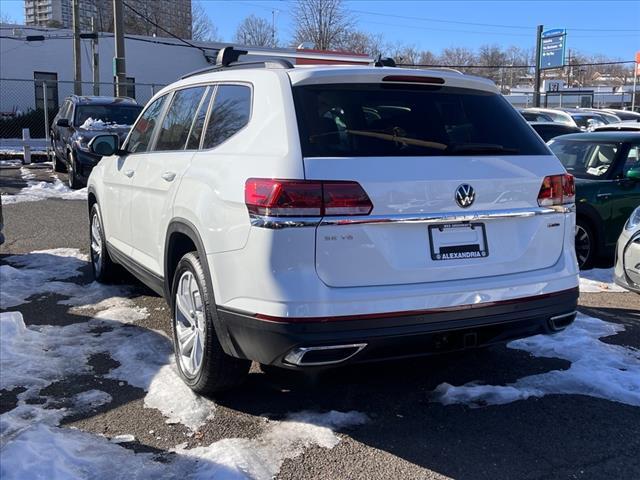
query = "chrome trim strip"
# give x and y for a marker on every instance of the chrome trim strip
(296, 356)
(449, 217)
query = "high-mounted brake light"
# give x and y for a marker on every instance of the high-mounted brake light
(413, 79)
(557, 190)
(305, 198)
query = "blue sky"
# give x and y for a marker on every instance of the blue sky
(606, 27)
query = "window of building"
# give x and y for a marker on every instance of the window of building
(142, 131)
(177, 122)
(51, 81)
(230, 112)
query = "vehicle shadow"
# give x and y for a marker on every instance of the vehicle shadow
(556, 435)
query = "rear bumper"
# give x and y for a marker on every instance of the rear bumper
(388, 336)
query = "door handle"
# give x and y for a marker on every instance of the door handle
(129, 173)
(168, 176)
(603, 196)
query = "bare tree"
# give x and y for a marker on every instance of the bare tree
(325, 23)
(256, 32)
(202, 28)
(405, 54)
(356, 41)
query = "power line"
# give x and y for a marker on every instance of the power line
(147, 19)
(512, 66)
(493, 25)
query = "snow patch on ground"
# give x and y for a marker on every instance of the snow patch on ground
(14, 162)
(598, 369)
(45, 451)
(34, 357)
(598, 280)
(146, 360)
(169, 394)
(261, 458)
(35, 191)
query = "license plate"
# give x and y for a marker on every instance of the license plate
(455, 241)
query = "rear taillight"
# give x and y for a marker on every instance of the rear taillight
(557, 190)
(305, 198)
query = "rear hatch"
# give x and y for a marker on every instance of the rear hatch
(430, 157)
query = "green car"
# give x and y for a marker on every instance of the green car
(606, 166)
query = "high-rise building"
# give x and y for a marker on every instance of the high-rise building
(58, 13)
(171, 15)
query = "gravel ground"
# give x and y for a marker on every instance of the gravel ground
(408, 436)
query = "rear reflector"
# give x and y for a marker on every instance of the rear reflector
(557, 190)
(305, 198)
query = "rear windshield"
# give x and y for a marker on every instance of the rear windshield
(585, 159)
(358, 120)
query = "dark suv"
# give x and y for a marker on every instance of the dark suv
(77, 122)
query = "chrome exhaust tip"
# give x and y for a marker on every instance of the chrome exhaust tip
(560, 322)
(322, 355)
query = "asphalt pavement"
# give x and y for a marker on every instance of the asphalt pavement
(407, 436)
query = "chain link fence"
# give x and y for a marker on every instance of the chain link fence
(28, 106)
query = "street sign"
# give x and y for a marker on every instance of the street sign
(552, 49)
(553, 86)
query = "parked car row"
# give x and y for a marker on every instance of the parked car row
(585, 119)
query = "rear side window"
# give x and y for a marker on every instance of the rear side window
(142, 131)
(230, 112)
(409, 120)
(585, 159)
(198, 123)
(178, 119)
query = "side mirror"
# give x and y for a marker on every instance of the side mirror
(633, 174)
(104, 145)
(63, 122)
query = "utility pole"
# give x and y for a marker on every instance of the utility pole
(536, 84)
(119, 70)
(635, 82)
(95, 59)
(77, 60)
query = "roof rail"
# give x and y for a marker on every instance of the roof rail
(228, 58)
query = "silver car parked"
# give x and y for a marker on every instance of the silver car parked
(627, 270)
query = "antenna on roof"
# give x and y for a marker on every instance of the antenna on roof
(229, 55)
(384, 62)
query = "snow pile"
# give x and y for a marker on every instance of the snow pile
(598, 280)
(98, 124)
(35, 191)
(598, 369)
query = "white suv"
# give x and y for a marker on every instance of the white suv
(304, 217)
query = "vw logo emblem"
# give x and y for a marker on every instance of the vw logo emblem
(465, 195)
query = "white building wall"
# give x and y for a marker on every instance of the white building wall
(148, 63)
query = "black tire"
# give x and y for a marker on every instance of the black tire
(58, 164)
(585, 241)
(217, 371)
(104, 269)
(72, 177)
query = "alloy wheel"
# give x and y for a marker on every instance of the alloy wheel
(96, 243)
(190, 324)
(583, 245)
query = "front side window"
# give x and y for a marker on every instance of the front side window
(142, 131)
(375, 119)
(178, 119)
(584, 159)
(230, 112)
